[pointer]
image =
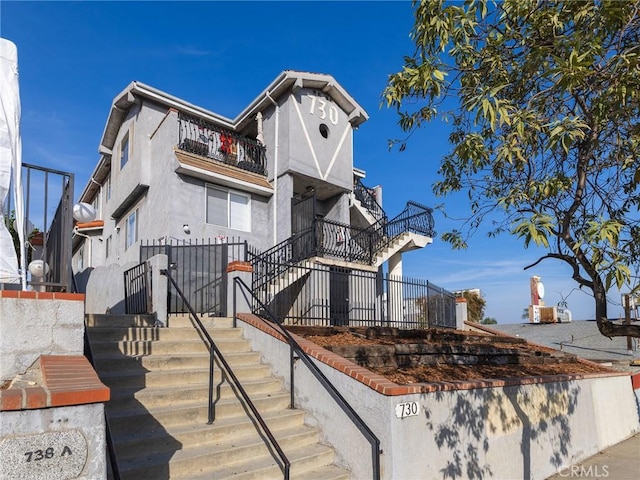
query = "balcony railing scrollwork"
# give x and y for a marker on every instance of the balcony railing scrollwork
(208, 140)
(368, 200)
(331, 239)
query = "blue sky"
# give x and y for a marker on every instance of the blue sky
(75, 57)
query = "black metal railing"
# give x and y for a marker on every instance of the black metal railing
(137, 289)
(215, 354)
(221, 145)
(415, 218)
(297, 352)
(424, 304)
(328, 238)
(43, 188)
(368, 200)
(111, 449)
(324, 295)
(200, 269)
(325, 238)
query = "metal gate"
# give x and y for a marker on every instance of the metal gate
(200, 270)
(303, 216)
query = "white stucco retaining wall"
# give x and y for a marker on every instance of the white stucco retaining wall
(521, 431)
(30, 327)
(105, 289)
(44, 434)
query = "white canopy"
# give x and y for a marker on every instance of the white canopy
(10, 162)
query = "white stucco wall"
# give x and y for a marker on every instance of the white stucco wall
(522, 431)
(80, 428)
(32, 327)
(105, 289)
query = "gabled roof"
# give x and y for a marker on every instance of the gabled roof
(296, 80)
(288, 79)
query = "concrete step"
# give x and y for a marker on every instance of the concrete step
(179, 376)
(158, 410)
(178, 320)
(135, 442)
(149, 397)
(108, 334)
(185, 412)
(120, 320)
(198, 459)
(117, 361)
(138, 348)
(307, 462)
(266, 469)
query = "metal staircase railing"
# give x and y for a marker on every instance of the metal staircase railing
(216, 354)
(297, 352)
(415, 218)
(368, 200)
(327, 238)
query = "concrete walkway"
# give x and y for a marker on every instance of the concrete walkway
(619, 462)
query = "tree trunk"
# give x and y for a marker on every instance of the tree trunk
(607, 328)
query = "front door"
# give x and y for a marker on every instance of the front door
(303, 213)
(339, 296)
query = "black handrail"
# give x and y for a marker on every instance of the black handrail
(295, 348)
(415, 218)
(215, 352)
(368, 200)
(111, 450)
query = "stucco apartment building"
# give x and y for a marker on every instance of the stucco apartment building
(281, 171)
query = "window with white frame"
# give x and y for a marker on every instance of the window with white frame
(107, 247)
(96, 206)
(80, 264)
(107, 188)
(228, 208)
(131, 229)
(124, 150)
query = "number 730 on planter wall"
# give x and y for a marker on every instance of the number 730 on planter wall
(407, 409)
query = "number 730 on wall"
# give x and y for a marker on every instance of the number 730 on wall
(407, 409)
(319, 108)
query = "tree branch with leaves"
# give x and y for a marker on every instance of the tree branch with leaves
(543, 102)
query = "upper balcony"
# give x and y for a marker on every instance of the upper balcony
(220, 146)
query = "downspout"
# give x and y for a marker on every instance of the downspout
(275, 170)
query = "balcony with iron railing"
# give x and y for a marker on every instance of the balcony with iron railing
(220, 146)
(334, 240)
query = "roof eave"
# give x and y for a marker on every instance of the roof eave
(296, 80)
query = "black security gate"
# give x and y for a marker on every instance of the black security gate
(303, 216)
(200, 270)
(339, 295)
(328, 295)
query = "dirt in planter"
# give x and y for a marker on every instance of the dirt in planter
(452, 372)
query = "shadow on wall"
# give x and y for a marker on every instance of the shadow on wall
(81, 279)
(104, 288)
(477, 417)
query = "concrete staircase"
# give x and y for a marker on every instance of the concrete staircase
(368, 217)
(402, 243)
(288, 278)
(158, 408)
